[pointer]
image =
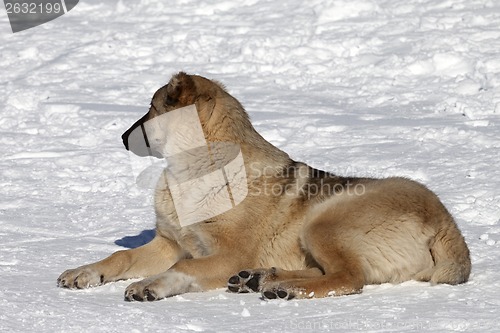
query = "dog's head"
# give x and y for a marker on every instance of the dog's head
(182, 90)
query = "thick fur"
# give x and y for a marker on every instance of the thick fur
(299, 233)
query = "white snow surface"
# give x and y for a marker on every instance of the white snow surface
(359, 87)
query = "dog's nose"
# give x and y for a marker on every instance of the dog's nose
(125, 139)
(126, 135)
(136, 140)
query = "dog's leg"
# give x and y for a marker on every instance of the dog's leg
(342, 276)
(340, 263)
(282, 284)
(150, 259)
(252, 280)
(187, 275)
(337, 284)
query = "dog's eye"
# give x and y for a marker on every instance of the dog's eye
(170, 101)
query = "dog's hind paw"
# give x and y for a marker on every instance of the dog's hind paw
(250, 280)
(244, 282)
(278, 293)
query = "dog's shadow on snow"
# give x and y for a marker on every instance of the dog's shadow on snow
(132, 242)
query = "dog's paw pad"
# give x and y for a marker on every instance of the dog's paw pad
(150, 296)
(244, 282)
(278, 294)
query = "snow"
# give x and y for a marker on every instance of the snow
(360, 87)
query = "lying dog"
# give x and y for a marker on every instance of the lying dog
(294, 232)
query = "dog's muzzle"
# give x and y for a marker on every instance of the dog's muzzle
(136, 140)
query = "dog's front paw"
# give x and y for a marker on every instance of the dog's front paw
(160, 286)
(139, 291)
(79, 278)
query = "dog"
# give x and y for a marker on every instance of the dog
(296, 232)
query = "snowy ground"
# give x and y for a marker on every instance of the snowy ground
(358, 87)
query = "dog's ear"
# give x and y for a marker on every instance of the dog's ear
(181, 90)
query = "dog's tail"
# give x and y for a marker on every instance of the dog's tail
(451, 255)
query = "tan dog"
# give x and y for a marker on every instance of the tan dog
(298, 233)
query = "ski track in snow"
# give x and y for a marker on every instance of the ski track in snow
(361, 87)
